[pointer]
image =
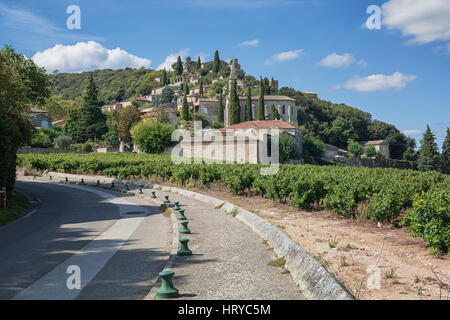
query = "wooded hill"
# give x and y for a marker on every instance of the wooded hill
(334, 124)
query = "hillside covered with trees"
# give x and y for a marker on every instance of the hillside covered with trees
(335, 124)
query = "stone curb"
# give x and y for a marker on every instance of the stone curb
(313, 279)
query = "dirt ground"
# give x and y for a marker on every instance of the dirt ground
(375, 262)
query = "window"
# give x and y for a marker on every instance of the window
(284, 109)
(44, 124)
(205, 110)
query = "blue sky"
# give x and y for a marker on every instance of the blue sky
(399, 73)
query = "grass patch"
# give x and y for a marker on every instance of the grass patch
(322, 260)
(277, 263)
(220, 205)
(347, 248)
(16, 206)
(285, 271)
(333, 244)
(234, 212)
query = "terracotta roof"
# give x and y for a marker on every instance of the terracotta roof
(373, 142)
(260, 124)
(270, 98)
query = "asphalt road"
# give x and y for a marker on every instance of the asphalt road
(118, 243)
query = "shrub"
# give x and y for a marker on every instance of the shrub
(151, 136)
(370, 151)
(313, 147)
(111, 139)
(41, 140)
(63, 142)
(87, 147)
(429, 217)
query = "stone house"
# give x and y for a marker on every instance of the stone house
(380, 146)
(242, 143)
(40, 118)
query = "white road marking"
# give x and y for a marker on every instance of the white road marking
(91, 258)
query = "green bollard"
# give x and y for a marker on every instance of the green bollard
(167, 199)
(153, 196)
(126, 187)
(167, 289)
(184, 228)
(140, 190)
(82, 181)
(98, 182)
(177, 207)
(34, 177)
(184, 250)
(66, 180)
(112, 184)
(51, 178)
(181, 216)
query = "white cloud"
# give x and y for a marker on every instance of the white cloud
(33, 31)
(172, 58)
(378, 82)
(250, 43)
(412, 132)
(284, 56)
(335, 60)
(362, 63)
(86, 56)
(423, 20)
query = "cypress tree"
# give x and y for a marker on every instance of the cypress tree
(179, 67)
(428, 152)
(272, 87)
(446, 154)
(261, 114)
(185, 108)
(234, 105)
(164, 77)
(275, 113)
(199, 63)
(248, 106)
(220, 117)
(216, 64)
(200, 90)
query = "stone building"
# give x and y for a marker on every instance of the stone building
(40, 118)
(380, 146)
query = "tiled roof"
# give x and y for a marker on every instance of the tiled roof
(270, 98)
(373, 142)
(260, 124)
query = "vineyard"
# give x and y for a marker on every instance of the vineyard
(421, 201)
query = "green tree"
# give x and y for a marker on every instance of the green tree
(261, 113)
(428, 152)
(313, 148)
(111, 139)
(151, 136)
(272, 87)
(370, 151)
(216, 63)
(199, 63)
(235, 110)
(275, 113)
(410, 155)
(200, 90)
(63, 142)
(185, 108)
(166, 96)
(128, 117)
(445, 156)
(220, 117)
(248, 106)
(164, 79)
(289, 148)
(88, 122)
(355, 149)
(179, 67)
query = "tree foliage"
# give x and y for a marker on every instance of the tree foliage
(152, 136)
(128, 117)
(22, 84)
(428, 153)
(234, 109)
